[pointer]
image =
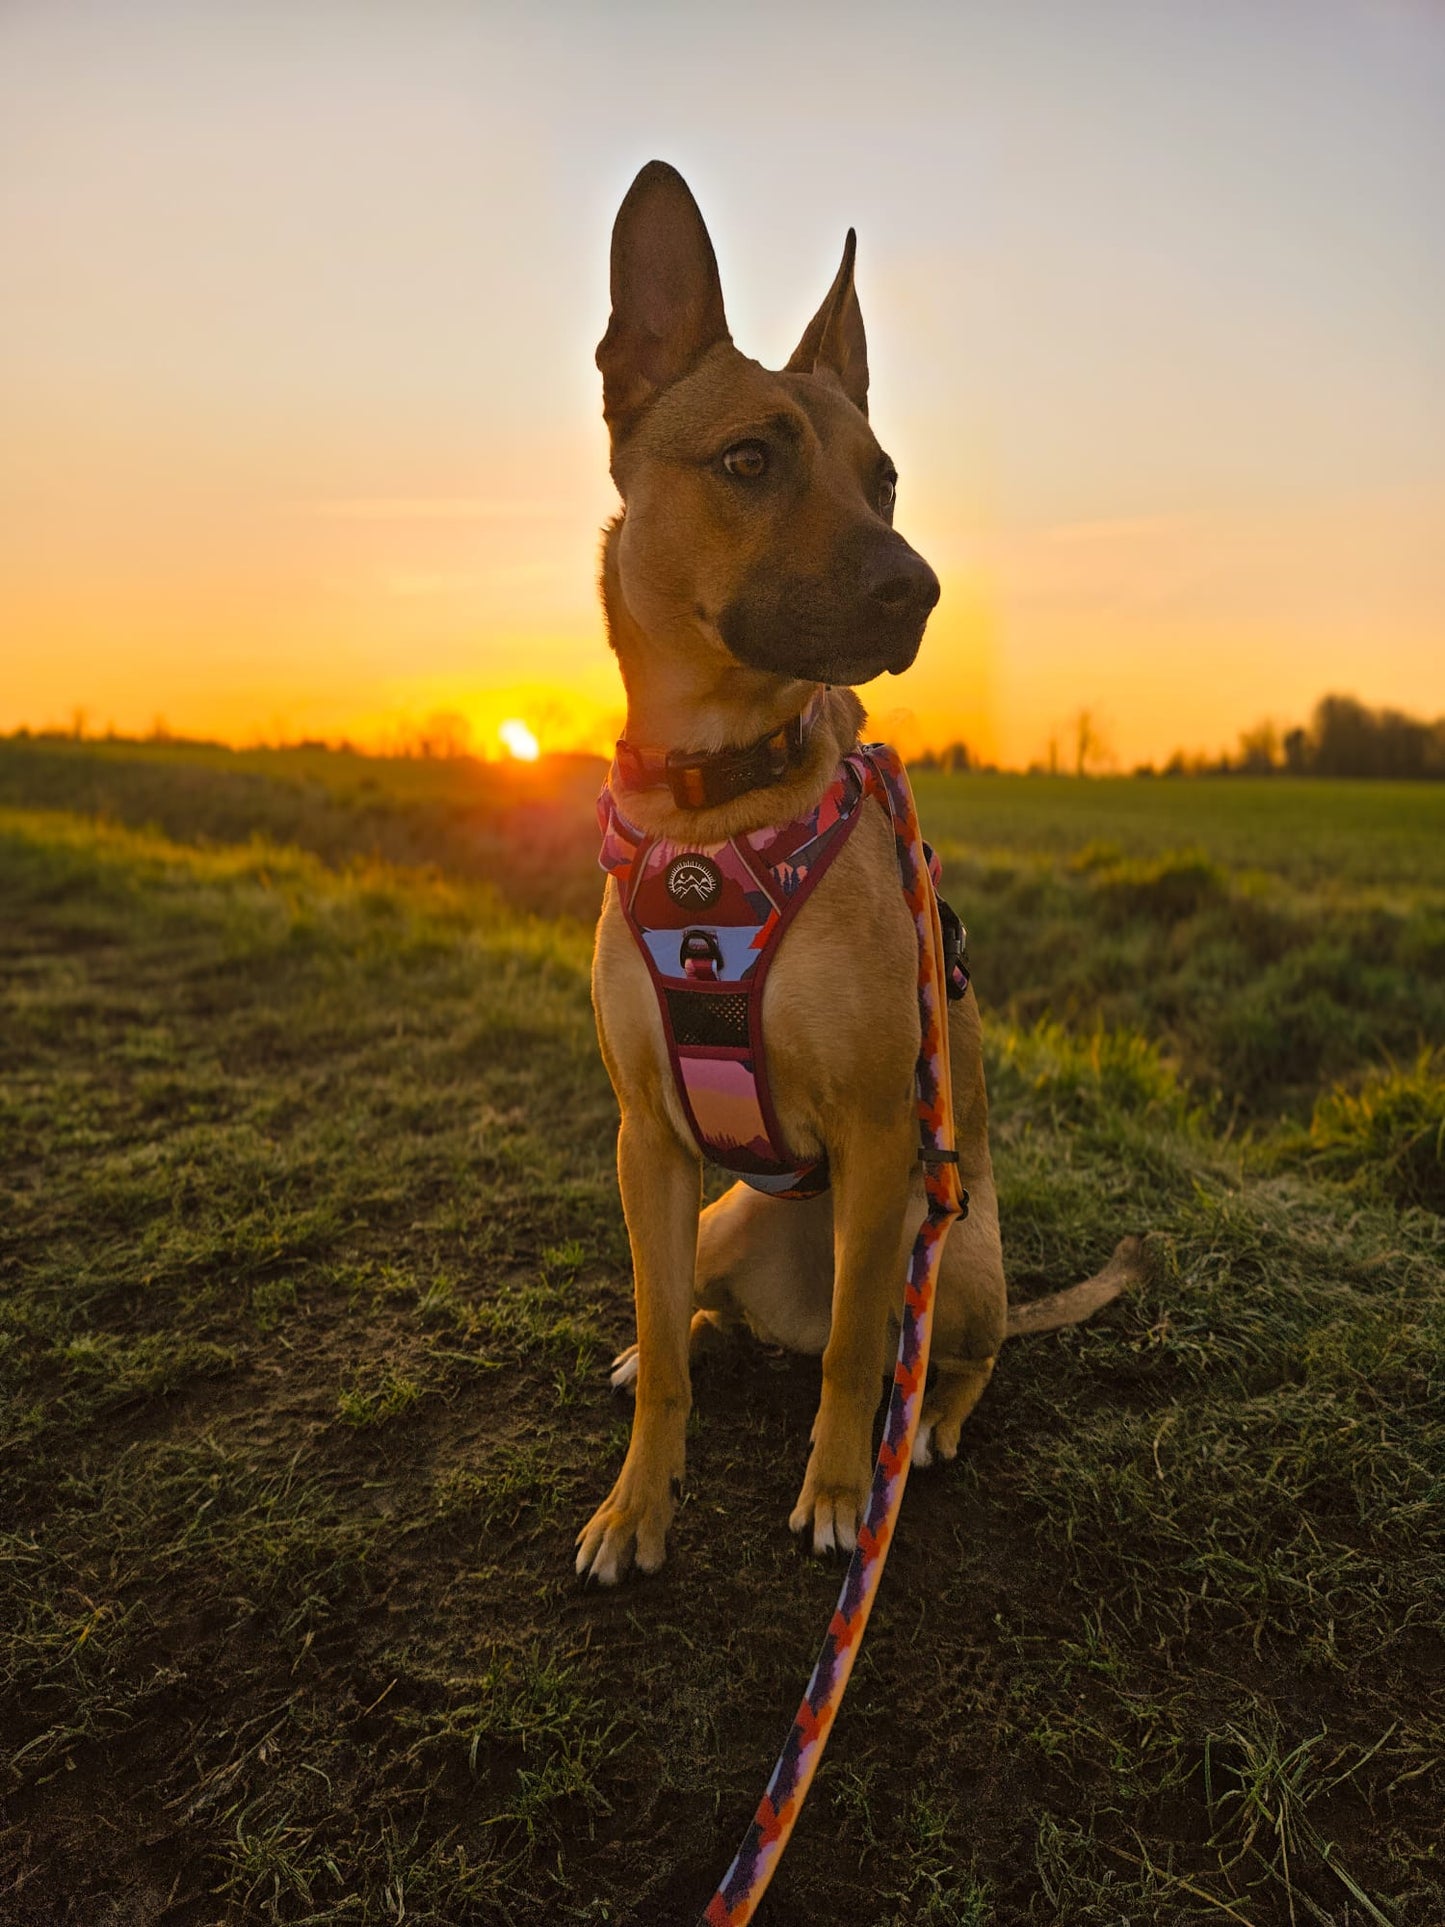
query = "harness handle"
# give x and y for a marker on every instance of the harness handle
(771, 1827)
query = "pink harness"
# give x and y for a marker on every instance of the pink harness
(708, 919)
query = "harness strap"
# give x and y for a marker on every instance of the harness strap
(756, 1861)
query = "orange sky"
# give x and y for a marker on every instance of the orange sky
(301, 431)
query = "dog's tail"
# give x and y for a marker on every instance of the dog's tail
(1128, 1266)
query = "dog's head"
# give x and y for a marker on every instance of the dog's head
(758, 506)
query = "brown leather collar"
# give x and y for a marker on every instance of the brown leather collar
(701, 780)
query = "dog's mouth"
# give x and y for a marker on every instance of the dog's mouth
(904, 658)
(834, 658)
(852, 670)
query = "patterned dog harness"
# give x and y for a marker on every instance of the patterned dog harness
(708, 919)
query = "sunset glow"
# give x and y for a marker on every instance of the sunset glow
(302, 427)
(520, 742)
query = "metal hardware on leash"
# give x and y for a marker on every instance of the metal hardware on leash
(770, 1829)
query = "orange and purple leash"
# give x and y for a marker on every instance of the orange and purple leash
(756, 1860)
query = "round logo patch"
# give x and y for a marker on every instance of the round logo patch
(693, 881)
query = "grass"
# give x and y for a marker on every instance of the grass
(1274, 935)
(310, 1264)
(1303, 831)
(1387, 1135)
(466, 816)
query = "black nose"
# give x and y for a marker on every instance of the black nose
(904, 585)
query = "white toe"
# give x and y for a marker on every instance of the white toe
(605, 1568)
(923, 1445)
(624, 1371)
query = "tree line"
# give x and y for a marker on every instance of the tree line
(1344, 737)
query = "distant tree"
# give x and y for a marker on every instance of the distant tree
(1349, 739)
(1189, 763)
(954, 758)
(1091, 746)
(445, 733)
(1343, 738)
(1407, 746)
(1259, 750)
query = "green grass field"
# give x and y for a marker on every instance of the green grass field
(311, 1260)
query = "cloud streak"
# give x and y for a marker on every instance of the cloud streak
(426, 508)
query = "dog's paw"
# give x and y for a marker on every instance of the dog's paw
(831, 1505)
(955, 1393)
(937, 1435)
(622, 1373)
(628, 1528)
(833, 1513)
(935, 1439)
(704, 1335)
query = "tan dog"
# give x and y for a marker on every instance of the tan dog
(755, 564)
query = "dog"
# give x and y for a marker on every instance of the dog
(751, 580)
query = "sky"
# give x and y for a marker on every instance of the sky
(300, 430)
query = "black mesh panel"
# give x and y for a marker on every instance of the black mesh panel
(701, 1017)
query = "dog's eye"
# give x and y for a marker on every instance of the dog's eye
(746, 460)
(887, 492)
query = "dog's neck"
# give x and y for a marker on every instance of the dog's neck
(685, 695)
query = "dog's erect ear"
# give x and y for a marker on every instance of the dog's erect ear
(667, 305)
(834, 338)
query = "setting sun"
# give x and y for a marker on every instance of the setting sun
(520, 742)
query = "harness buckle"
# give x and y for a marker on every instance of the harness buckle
(955, 952)
(700, 955)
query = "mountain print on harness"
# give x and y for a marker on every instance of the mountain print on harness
(723, 1092)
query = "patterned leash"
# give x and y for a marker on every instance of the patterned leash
(746, 1880)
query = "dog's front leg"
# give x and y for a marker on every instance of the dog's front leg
(661, 1185)
(872, 1172)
